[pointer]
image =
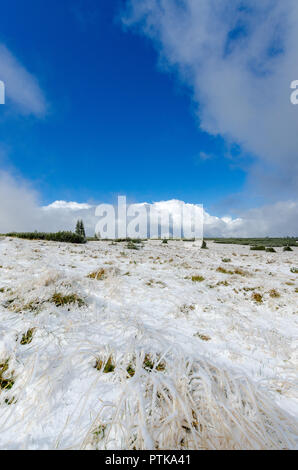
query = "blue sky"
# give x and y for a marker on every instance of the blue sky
(115, 121)
(152, 99)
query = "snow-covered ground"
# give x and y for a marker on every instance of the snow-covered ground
(200, 362)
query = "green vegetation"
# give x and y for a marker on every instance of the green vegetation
(270, 249)
(294, 270)
(258, 247)
(275, 242)
(204, 245)
(131, 245)
(80, 229)
(287, 248)
(67, 237)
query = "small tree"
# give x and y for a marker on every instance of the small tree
(80, 229)
(83, 233)
(204, 245)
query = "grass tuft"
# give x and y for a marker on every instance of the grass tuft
(197, 279)
(6, 382)
(274, 294)
(98, 275)
(257, 297)
(107, 367)
(27, 337)
(60, 300)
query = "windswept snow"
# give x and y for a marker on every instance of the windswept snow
(198, 365)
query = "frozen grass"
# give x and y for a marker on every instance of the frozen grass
(137, 367)
(193, 404)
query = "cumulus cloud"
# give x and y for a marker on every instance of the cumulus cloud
(239, 58)
(20, 210)
(21, 87)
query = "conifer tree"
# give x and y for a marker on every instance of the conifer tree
(80, 229)
(77, 231)
(83, 233)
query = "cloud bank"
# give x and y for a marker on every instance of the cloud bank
(239, 58)
(20, 210)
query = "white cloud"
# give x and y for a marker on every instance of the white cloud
(20, 210)
(241, 87)
(21, 87)
(72, 206)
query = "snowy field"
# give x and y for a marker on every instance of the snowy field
(158, 348)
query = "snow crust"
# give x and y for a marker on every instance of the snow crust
(222, 370)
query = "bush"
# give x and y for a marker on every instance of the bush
(204, 245)
(258, 248)
(270, 249)
(287, 248)
(67, 237)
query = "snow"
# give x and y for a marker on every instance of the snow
(224, 366)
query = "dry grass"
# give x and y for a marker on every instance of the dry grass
(106, 366)
(27, 337)
(203, 337)
(6, 380)
(61, 300)
(98, 275)
(197, 279)
(257, 297)
(274, 294)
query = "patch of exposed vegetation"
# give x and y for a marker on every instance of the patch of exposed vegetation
(274, 294)
(27, 337)
(257, 297)
(258, 248)
(187, 308)
(197, 279)
(226, 260)
(202, 337)
(107, 367)
(60, 300)
(287, 248)
(130, 370)
(99, 432)
(33, 306)
(150, 363)
(276, 242)
(294, 270)
(204, 245)
(132, 246)
(223, 283)
(238, 271)
(67, 237)
(270, 249)
(98, 275)
(6, 380)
